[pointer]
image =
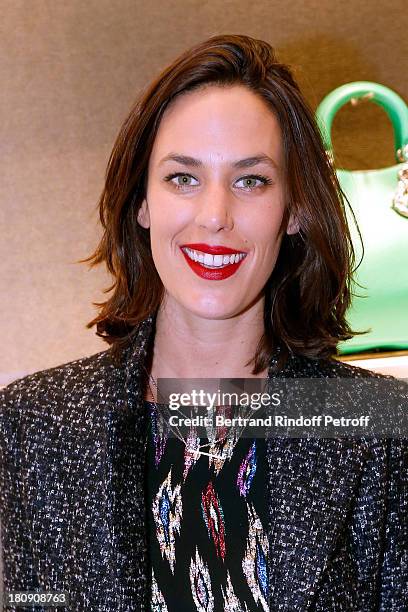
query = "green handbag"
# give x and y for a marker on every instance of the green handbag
(379, 199)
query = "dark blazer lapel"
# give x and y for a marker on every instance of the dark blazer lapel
(128, 444)
(311, 487)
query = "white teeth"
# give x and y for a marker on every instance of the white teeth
(213, 261)
(208, 259)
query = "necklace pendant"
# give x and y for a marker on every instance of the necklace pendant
(210, 455)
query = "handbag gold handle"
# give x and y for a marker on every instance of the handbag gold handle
(396, 110)
(385, 97)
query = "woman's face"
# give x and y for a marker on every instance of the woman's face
(216, 187)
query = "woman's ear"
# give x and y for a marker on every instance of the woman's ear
(293, 225)
(143, 217)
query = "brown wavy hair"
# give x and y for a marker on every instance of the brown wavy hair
(308, 292)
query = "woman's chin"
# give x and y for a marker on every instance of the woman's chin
(214, 309)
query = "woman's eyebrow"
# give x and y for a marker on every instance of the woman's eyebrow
(247, 162)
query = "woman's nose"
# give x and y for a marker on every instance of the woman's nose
(215, 209)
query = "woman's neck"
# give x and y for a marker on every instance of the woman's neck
(189, 346)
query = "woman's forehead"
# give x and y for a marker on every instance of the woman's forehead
(219, 125)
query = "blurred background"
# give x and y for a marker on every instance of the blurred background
(70, 70)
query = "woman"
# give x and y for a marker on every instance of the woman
(225, 231)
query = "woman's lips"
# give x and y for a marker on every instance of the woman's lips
(212, 273)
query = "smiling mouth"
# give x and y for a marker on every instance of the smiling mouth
(213, 262)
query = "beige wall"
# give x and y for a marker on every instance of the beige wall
(69, 71)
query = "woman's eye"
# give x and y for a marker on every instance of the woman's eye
(180, 180)
(249, 182)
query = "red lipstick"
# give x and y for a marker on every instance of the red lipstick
(212, 273)
(212, 249)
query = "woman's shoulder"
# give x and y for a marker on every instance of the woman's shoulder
(348, 378)
(333, 367)
(72, 379)
(57, 408)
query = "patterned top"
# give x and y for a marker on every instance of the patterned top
(207, 519)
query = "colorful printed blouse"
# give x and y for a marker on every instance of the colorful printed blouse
(207, 519)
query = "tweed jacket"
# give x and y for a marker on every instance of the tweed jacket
(72, 506)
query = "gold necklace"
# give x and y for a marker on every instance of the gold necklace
(190, 443)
